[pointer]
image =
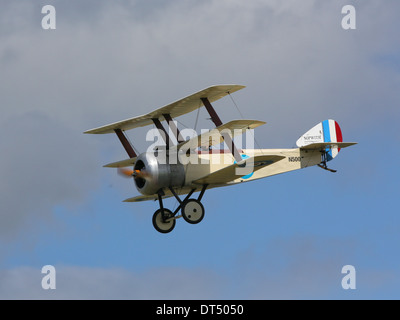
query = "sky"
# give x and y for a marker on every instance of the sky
(284, 237)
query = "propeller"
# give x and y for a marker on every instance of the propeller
(125, 172)
(128, 173)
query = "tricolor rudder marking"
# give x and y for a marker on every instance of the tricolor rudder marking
(332, 133)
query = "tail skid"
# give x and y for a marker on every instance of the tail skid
(323, 164)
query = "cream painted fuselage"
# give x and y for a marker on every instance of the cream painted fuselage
(211, 161)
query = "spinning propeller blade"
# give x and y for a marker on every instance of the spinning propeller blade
(125, 172)
(128, 173)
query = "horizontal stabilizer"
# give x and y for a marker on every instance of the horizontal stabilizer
(175, 109)
(228, 174)
(322, 146)
(121, 164)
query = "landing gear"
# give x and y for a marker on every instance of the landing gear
(164, 222)
(325, 167)
(324, 159)
(192, 211)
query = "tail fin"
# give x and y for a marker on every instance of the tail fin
(325, 131)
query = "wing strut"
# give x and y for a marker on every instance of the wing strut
(173, 127)
(217, 121)
(214, 116)
(125, 143)
(160, 128)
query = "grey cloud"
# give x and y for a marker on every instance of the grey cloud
(108, 61)
(287, 268)
(99, 283)
(42, 165)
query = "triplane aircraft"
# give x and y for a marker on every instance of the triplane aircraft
(161, 173)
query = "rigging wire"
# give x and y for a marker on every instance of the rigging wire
(252, 133)
(197, 117)
(181, 123)
(235, 104)
(130, 142)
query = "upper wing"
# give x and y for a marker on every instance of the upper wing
(175, 109)
(214, 137)
(228, 174)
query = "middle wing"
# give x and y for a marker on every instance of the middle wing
(209, 138)
(228, 174)
(121, 164)
(214, 137)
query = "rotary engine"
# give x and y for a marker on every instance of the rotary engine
(151, 174)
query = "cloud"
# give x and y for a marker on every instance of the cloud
(109, 62)
(42, 166)
(113, 283)
(298, 267)
(112, 60)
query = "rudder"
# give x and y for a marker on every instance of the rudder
(325, 131)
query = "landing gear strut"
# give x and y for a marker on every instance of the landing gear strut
(192, 211)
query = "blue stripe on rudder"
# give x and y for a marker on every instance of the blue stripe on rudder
(325, 128)
(327, 138)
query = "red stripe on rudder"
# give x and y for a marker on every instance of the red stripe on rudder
(339, 136)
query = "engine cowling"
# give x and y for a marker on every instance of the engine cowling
(151, 174)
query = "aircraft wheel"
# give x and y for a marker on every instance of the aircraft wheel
(161, 225)
(193, 211)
